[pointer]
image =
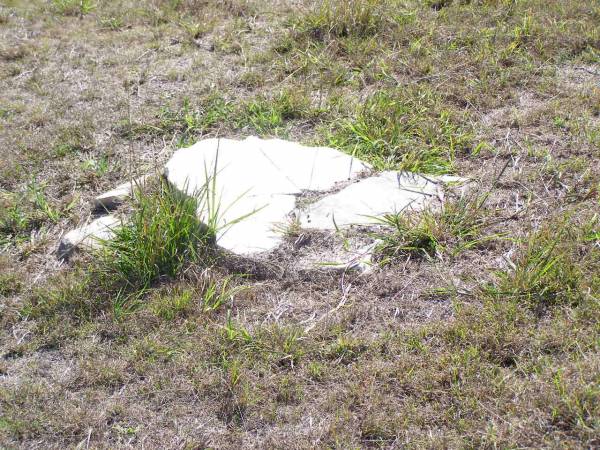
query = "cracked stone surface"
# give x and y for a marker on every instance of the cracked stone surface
(261, 178)
(260, 181)
(264, 177)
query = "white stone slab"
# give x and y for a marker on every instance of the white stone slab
(363, 201)
(258, 181)
(258, 177)
(88, 236)
(256, 233)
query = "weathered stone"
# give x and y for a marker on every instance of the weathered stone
(258, 166)
(113, 198)
(88, 236)
(259, 178)
(256, 233)
(365, 200)
(255, 184)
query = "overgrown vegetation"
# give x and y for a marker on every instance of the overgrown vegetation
(263, 115)
(162, 238)
(73, 7)
(402, 130)
(341, 19)
(25, 211)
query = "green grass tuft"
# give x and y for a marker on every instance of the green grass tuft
(173, 304)
(164, 235)
(402, 129)
(22, 212)
(458, 225)
(548, 270)
(269, 115)
(10, 284)
(73, 7)
(340, 19)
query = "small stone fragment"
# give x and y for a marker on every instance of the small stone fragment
(364, 263)
(88, 236)
(359, 260)
(113, 198)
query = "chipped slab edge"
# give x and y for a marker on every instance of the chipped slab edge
(111, 199)
(88, 236)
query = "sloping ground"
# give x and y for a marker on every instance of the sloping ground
(480, 328)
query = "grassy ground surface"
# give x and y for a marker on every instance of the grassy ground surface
(479, 330)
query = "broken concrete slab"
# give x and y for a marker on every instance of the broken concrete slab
(365, 200)
(115, 197)
(253, 186)
(259, 179)
(88, 236)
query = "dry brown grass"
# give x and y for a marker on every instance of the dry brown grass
(451, 350)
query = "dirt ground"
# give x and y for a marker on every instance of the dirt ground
(479, 327)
